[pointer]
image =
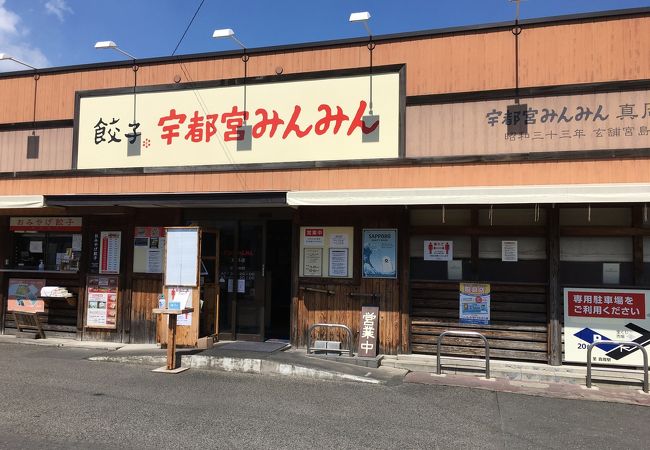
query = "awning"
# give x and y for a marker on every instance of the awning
(482, 195)
(21, 201)
(173, 200)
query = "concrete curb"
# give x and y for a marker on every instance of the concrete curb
(67, 343)
(242, 365)
(537, 389)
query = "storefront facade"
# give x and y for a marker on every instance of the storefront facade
(322, 183)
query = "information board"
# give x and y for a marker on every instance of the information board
(148, 249)
(600, 315)
(326, 251)
(182, 256)
(101, 302)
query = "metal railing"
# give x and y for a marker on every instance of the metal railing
(622, 343)
(362, 294)
(466, 334)
(320, 291)
(331, 325)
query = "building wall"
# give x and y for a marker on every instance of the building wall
(589, 51)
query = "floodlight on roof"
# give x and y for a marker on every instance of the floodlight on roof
(363, 17)
(227, 33)
(4, 56)
(112, 45)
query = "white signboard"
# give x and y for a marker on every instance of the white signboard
(292, 121)
(312, 262)
(338, 262)
(509, 251)
(313, 237)
(438, 250)
(181, 257)
(601, 314)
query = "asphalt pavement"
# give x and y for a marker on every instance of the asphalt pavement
(56, 398)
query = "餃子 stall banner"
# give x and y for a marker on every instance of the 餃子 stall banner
(598, 315)
(320, 119)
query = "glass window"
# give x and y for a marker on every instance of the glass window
(596, 261)
(584, 216)
(46, 251)
(452, 216)
(530, 266)
(459, 268)
(512, 216)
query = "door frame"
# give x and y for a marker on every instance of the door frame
(233, 297)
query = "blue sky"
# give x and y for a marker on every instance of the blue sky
(48, 33)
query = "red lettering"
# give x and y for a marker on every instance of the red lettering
(234, 120)
(358, 122)
(260, 127)
(294, 127)
(324, 123)
(171, 131)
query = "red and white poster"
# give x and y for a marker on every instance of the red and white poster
(101, 303)
(438, 250)
(600, 315)
(109, 251)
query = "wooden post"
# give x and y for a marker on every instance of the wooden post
(637, 244)
(171, 341)
(474, 255)
(555, 299)
(403, 272)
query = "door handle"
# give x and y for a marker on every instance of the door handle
(263, 270)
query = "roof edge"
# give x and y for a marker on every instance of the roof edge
(494, 26)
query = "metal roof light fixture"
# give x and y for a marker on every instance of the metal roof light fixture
(112, 45)
(33, 141)
(516, 114)
(244, 131)
(134, 144)
(370, 130)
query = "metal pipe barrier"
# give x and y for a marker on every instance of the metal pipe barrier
(331, 325)
(466, 334)
(320, 291)
(623, 343)
(361, 294)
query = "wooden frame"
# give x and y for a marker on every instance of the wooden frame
(188, 335)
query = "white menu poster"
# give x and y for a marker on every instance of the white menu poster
(109, 251)
(182, 256)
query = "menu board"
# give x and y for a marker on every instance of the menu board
(101, 302)
(148, 249)
(182, 256)
(109, 251)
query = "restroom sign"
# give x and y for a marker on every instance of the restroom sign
(438, 250)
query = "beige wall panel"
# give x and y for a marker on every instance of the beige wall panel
(462, 129)
(55, 150)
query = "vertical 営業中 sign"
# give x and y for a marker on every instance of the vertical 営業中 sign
(368, 332)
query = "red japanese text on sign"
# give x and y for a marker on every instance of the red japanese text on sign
(611, 305)
(314, 232)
